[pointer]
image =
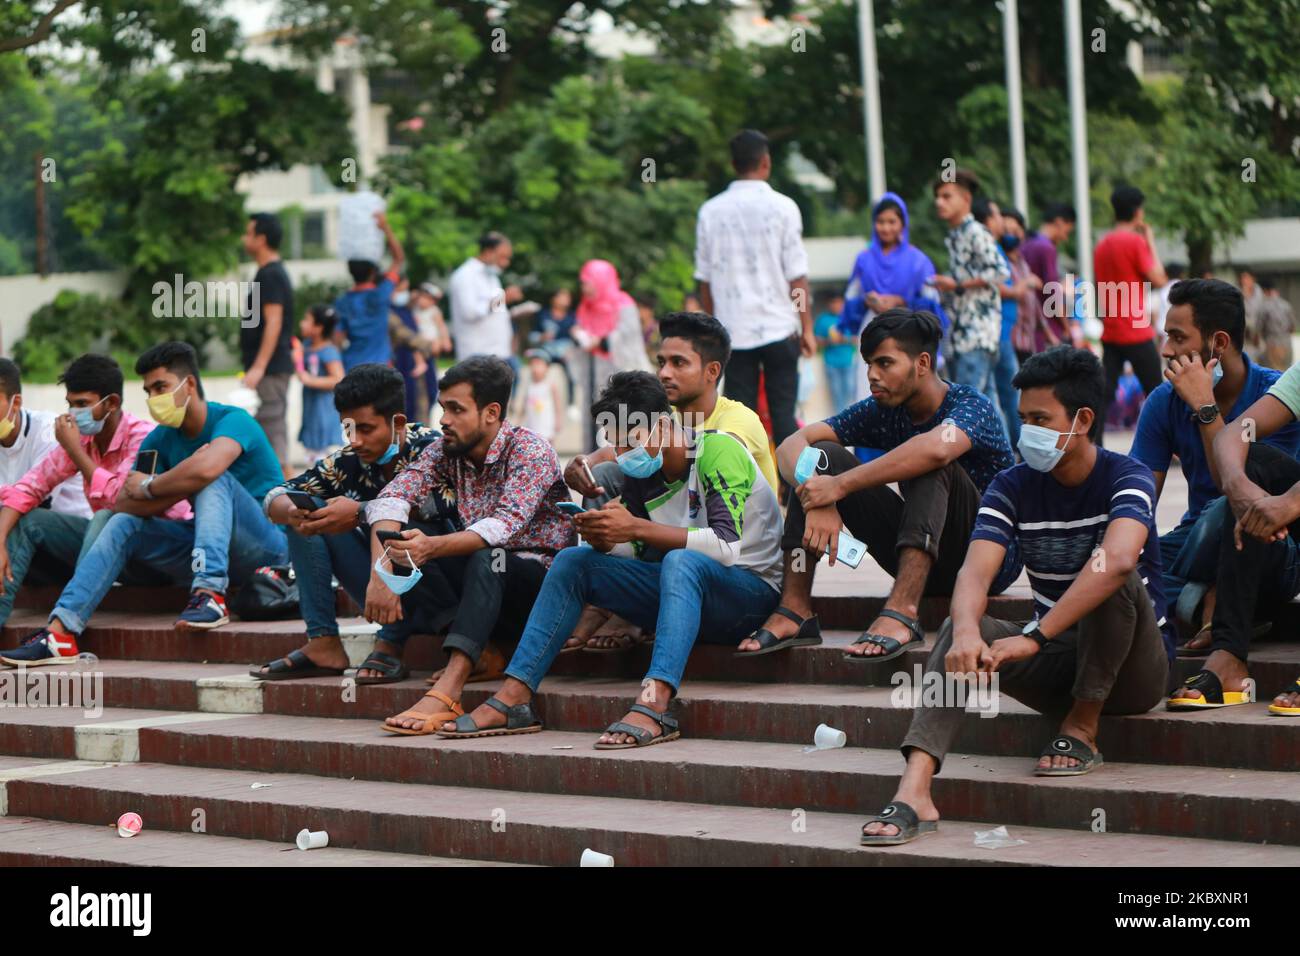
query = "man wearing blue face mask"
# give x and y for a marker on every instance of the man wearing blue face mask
(1083, 520)
(97, 440)
(1209, 383)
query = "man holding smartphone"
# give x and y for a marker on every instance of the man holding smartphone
(946, 443)
(323, 512)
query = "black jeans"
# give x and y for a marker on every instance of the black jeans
(470, 592)
(779, 362)
(935, 514)
(1145, 358)
(1259, 570)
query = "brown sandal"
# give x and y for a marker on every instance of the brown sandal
(432, 722)
(491, 665)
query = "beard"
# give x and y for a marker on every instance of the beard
(458, 446)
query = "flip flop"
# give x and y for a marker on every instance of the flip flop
(294, 666)
(392, 669)
(668, 730)
(1067, 746)
(1213, 696)
(1277, 710)
(431, 721)
(520, 719)
(901, 815)
(891, 646)
(769, 643)
(491, 665)
(1186, 650)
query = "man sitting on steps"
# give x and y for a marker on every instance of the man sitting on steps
(945, 443)
(1083, 519)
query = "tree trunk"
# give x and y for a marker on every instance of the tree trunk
(1200, 256)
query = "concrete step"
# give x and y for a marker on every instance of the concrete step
(29, 841)
(1236, 737)
(1249, 806)
(551, 829)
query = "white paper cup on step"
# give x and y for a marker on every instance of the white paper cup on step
(592, 858)
(309, 840)
(828, 738)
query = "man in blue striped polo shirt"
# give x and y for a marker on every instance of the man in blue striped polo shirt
(1082, 518)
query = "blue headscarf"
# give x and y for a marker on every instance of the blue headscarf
(903, 271)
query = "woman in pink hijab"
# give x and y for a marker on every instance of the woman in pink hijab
(609, 325)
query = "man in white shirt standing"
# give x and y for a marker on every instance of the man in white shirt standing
(27, 437)
(480, 319)
(753, 274)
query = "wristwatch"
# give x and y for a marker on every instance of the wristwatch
(1034, 633)
(144, 486)
(1206, 414)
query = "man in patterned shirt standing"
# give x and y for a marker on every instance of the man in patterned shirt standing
(970, 293)
(507, 483)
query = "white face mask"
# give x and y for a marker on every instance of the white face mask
(1038, 445)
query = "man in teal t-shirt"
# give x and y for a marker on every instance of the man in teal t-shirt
(216, 456)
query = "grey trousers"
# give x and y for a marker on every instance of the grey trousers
(273, 413)
(1114, 654)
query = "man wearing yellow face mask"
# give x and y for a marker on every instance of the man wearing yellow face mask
(216, 456)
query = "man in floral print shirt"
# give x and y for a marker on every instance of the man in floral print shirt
(970, 292)
(507, 483)
(332, 540)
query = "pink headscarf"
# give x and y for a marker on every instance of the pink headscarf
(598, 314)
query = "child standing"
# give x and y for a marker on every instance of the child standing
(320, 368)
(839, 356)
(542, 407)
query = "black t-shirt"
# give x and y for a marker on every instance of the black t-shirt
(273, 287)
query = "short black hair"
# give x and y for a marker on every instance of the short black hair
(97, 374)
(628, 396)
(11, 380)
(1126, 201)
(1267, 283)
(914, 331)
(323, 314)
(707, 335)
(1175, 270)
(1075, 377)
(380, 387)
(963, 177)
(490, 240)
(748, 147)
(1216, 307)
(490, 380)
(362, 270)
(981, 208)
(179, 358)
(268, 226)
(1013, 213)
(1058, 210)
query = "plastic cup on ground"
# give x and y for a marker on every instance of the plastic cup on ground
(309, 840)
(129, 824)
(828, 738)
(592, 858)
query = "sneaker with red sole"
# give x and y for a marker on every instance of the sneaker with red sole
(43, 647)
(205, 611)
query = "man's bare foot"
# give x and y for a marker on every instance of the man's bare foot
(1200, 641)
(657, 696)
(512, 692)
(779, 624)
(1056, 761)
(1231, 672)
(1288, 698)
(884, 627)
(326, 651)
(383, 647)
(920, 802)
(616, 633)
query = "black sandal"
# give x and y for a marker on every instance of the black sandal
(891, 646)
(1067, 746)
(391, 668)
(294, 666)
(668, 730)
(1213, 696)
(520, 719)
(901, 815)
(808, 635)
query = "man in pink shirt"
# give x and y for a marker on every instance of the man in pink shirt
(97, 439)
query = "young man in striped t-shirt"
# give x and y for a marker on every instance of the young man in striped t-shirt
(1082, 519)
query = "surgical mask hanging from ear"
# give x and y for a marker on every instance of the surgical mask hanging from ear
(1216, 375)
(393, 447)
(1038, 445)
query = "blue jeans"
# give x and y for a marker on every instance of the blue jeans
(61, 538)
(687, 595)
(1008, 394)
(975, 368)
(317, 557)
(843, 383)
(228, 533)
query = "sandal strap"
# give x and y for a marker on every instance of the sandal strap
(789, 615)
(887, 644)
(639, 733)
(1073, 747)
(899, 814)
(911, 623)
(452, 705)
(498, 706)
(1208, 683)
(666, 722)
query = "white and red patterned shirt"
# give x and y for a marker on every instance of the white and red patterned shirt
(510, 503)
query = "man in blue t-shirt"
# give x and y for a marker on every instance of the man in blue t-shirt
(363, 309)
(1083, 520)
(943, 445)
(216, 456)
(1209, 382)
